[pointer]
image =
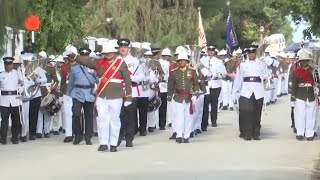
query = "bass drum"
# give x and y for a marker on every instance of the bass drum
(50, 105)
(154, 103)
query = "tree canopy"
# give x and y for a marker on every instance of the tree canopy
(166, 23)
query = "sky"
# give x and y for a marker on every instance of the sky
(298, 30)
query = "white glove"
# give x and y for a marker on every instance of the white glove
(193, 98)
(133, 78)
(127, 103)
(71, 50)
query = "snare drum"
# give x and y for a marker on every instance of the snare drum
(50, 104)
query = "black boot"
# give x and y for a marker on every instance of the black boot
(68, 139)
(186, 140)
(174, 135)
(3, 141)
(143, 133)
(39, 135)
(192, 135)
(113, 149)
(77, 140)
(46, 135)
(56, 133)
(198, 131)
(179, 140)
(23, 139)
(88, 141)
(14, 141)
(103, 148)
(299, 138)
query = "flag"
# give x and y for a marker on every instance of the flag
(231, 37)
(202, 41)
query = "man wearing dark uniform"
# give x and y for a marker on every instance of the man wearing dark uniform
(249, 83)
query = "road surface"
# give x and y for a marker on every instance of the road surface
(217, 154)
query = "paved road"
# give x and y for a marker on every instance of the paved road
(217, 154)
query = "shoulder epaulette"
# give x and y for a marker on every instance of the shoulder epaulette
(175, 68)
(192, 68)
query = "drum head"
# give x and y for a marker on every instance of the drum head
(46, 100)
(154, 103)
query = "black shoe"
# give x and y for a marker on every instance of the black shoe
(46, 135)
(292, 126)
(295, 130)
(174, 135)
(268, 103)
(231, 109)
(129, 144)
(95, 134)
(56, 133)
(23, 139)
(256, 138)
(225, 108)
(14, 141)
(204, 129)
(247, 138)
(68, 139)
(198, 131)
(214, 125)
(192, 135)
(61, 129)
(143, 133)
(88, 142)
(38, 135)
(185, 140)
(32, 137)
(162, 128)
(272, 102)
(150, 129)
(179, 140)
(113, 149)
(242, 135)
(300, 138)
(103, 148)
(315, 135)
(170, 125)
(3, 141)
(64, 131)
(77, 140)
(310, 138)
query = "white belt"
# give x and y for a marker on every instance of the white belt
(305, 85)
(116, 80)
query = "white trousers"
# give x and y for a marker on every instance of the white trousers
(170, 112)
(274, 91)
(316, 117)
(67, 115)
(197, 116)
(108, 120)
(95, 126)
(304, 112)
(226, 93)
(286, 83)
(279, 85)
(153, 119)
(25, 118)
(267, 96)
(44, 122)
(183, 120)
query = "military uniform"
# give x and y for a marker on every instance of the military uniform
(217, 71)
(67, 102)
(249, 83)
(182, 86)
(129, 119)
(10, 85)
(81, 88)
(156, 76)
(110, 97)
(305, 98)
(44, 120)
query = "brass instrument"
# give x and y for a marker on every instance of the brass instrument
(27, 73)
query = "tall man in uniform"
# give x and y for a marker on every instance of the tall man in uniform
(304, 97)
(157, 76)
(183, 88)
(67, 100)
(129, 114)
(249, 83)
(81, 89)
(112, 71)
(217, 71)
(10, 84)
(165, 64)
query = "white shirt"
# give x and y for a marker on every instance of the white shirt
(9, 81)
(216, 69)
(165, 67)
(136, 73)
(249, 68)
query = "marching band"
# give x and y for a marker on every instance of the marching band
(116, 92)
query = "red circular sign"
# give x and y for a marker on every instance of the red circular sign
(32, 23)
